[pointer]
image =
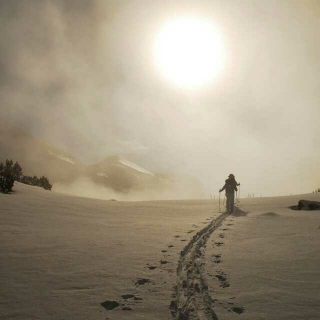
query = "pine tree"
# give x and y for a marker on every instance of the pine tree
(7, 177)
(44, 183)
(13, 172)
(17, 171)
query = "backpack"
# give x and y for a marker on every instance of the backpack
(230, 186)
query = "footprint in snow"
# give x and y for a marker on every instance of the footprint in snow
(127, 296)
(217, 258)
(152, 267)
(142, 281)
(126, 308)
(223, 280)
(110, 304)
(238, 310)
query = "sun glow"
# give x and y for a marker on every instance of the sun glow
(189, 52)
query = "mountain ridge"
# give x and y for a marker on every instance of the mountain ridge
(37, 157)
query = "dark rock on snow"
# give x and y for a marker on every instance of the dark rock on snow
(306, 205)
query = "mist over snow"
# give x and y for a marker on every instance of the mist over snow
(117, 105)
(82, 76)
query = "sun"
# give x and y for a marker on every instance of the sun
(189, 52)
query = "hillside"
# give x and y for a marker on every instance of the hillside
(113, 173)
(37, 157)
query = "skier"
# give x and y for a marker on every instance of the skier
(230, 187)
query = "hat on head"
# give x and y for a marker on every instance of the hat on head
(231, 175)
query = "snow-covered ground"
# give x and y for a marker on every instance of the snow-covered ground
(265, 260)
(65, 257)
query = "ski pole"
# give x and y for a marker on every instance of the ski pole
(219, 202)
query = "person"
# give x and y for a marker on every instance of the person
(230, 187)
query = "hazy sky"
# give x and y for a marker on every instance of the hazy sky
(81, 74)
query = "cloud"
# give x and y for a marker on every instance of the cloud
(81, 75)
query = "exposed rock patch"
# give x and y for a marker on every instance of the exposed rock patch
(306, 205)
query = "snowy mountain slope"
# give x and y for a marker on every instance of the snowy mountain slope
(36, 156)
(134, 166)
(62, 157)
(123, 175)
(117, 173)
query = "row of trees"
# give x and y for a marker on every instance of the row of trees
(10, 172)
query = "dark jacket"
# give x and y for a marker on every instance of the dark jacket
(230, 185)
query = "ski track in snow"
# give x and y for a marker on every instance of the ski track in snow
(192, 300)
